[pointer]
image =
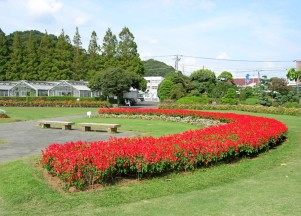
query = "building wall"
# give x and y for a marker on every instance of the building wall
(151, 93)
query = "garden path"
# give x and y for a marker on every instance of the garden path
(27, 139)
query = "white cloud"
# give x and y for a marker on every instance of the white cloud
(38, 8)
(222, 55)
(145, 55)
(81, 20)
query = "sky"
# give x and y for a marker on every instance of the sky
(255, 37)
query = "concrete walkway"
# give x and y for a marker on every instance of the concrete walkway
(26, 138)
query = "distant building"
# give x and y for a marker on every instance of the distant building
(25, 88)
(151, 93)
(244, 82)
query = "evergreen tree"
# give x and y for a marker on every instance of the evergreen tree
(15, 64)
(109, 50)
(127, 53)
(62, 59)
(31, 61)
(94, 63)
(4, 54)
(45, 53)
(79, 58)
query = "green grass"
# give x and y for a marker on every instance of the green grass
(266, 185)
(153, 128)
(33, 113)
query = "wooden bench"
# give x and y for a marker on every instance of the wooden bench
(110, 127)
(65, 125)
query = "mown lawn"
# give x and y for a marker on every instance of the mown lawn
(33, 113)
(266, 185)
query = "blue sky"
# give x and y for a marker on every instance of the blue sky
(266, 31)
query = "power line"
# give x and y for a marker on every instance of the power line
(220, 59)
(238, 60)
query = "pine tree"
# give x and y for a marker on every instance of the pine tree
(79, 58)
(4, 55)
(31, 61)
(109, 50)
(94, 63)
(45, 53)
(15, 64)
(127, 53)
(62, 58)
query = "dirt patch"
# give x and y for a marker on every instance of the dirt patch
(4, 116)
(57, 184)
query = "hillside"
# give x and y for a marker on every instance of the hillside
(156, 68)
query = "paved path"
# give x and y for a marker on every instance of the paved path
(26, 138)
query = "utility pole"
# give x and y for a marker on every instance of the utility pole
(177, 59)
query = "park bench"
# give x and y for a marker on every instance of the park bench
(65, 125)
(110, 127)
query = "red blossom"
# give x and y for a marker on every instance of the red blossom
(243, 134)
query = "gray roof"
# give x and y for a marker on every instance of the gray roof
(44, 85)
(7, 85)
(81, 87)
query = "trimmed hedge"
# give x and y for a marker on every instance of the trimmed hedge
(240, 107)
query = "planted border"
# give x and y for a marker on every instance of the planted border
(81, 164)
(239, 107)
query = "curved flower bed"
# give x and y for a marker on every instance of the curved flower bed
(85, 163)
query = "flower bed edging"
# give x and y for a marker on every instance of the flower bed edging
(85, 163)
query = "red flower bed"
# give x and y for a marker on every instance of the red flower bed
(85, 163)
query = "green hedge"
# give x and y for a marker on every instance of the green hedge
(240, 107)
(50, 98)
(193, 100)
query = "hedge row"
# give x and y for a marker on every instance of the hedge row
(240, 107)
(59, 103)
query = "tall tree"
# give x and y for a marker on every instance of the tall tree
(127, 52)
(31, 60)
(45, 52)
(62, 58)
(15, 65)
(79, 58)
(109, 50)
(4, 54)
(112, 81)
(94, 63)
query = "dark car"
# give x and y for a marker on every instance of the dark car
(130, 101)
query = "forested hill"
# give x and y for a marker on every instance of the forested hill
(24, 37)
(33, 55)
(156, 68)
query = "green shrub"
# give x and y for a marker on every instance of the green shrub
(251, 101)
(193, 100)
(291, 105)
(230, 101)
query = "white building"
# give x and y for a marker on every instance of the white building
(45, 88)
(151, 93)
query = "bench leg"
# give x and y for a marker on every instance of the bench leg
(86, 128)
(112, 130)
(66, 127)
(45, 125)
